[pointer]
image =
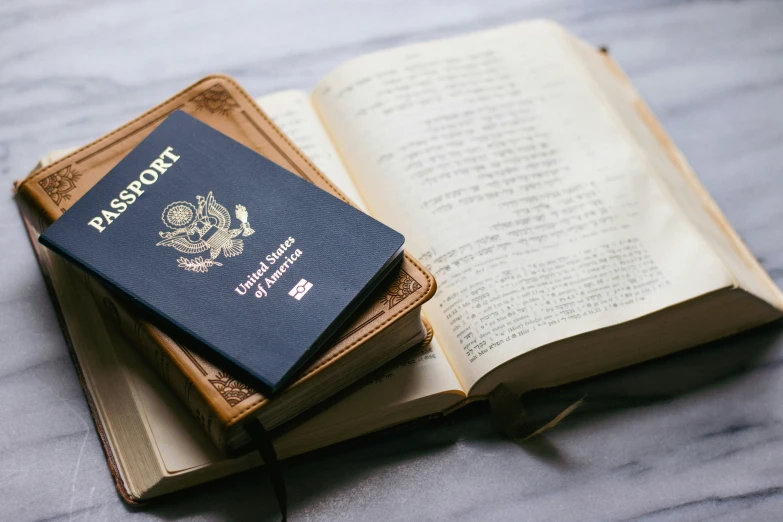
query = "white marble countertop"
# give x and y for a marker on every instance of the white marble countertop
(697, 436)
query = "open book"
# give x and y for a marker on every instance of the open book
(568, 235)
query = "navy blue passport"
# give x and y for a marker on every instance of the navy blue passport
(225, 249)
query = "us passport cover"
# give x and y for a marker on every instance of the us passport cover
(223, 247)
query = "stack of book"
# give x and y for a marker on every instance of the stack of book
(567, 233)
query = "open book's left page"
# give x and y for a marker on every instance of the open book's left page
(293, 112)
(417, 377)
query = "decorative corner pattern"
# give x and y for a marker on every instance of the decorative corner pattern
(401, 288)
(231, 389)
(216, 99)
(58, 185)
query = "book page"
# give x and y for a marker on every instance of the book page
(294, 114)
(675, 172)
(518, 187)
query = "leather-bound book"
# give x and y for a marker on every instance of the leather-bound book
(261, 301)
(387, 323)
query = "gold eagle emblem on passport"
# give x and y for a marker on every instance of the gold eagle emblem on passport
(204, 227)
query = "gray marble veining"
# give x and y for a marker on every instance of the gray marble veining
(696, 436)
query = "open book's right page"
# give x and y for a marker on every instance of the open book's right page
(515, 182)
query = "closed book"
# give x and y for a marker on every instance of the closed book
(226, 250)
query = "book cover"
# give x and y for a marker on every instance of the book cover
(226, 249)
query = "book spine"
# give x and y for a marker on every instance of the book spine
(144, 337)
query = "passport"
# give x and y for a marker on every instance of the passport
(226, 250)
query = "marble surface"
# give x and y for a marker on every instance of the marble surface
(697, 436)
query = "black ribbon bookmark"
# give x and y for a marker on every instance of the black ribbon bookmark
(263, 443)
(512, 419)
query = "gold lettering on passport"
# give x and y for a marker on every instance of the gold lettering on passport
(201, 228)
(134, 190)
(260, 281)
